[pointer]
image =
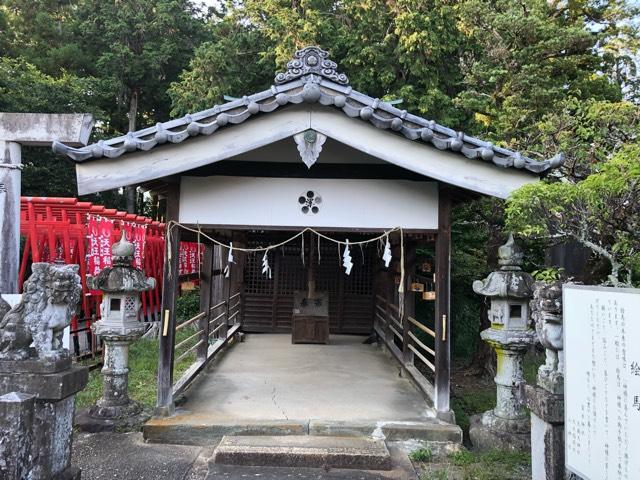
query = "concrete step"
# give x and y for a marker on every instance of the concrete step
(303, 451)
(202, 430)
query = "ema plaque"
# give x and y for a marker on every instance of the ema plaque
(602, 382)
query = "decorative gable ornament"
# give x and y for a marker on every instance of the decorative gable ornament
(309, 145)
(311, 60)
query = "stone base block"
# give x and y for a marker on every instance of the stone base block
(124, 419)
(488, 432)
(304, 451)
(35, 365)
(50, 386)
(547, 433)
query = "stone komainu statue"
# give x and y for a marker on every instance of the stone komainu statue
(546, 310)
(34, 327)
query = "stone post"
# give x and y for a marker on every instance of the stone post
(17, 129)
(118, 327)
(16, 418)
(37, 379)
(546, 399)
(507, 426)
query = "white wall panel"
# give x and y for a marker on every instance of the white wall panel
(364, 204)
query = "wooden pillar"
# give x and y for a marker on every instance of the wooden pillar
(409, 298)
(237, 272)
(206, 281)
(10, 176)
(442, 308)
(164, 404)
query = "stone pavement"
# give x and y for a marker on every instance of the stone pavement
(104, 456)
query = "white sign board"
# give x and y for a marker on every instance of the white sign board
(309, 202)
(602, 382)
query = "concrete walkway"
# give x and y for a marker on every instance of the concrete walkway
(268, 378)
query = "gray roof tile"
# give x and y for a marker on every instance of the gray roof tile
(312, 78)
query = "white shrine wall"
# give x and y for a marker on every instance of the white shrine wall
(602, 382)
(273, 202)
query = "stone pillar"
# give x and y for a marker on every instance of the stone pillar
(115, 372)
(118, 327)
(546, 399)
(38, 382)
(16, 418)
(10, 174)
(506, 426)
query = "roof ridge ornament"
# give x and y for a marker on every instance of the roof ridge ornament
(311, 60)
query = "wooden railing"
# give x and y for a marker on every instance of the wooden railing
(407, 339)
(201, 337)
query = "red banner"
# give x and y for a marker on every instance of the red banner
(99, 233)
(189, 257)
(137, 235)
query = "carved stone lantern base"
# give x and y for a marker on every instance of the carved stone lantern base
(489, 432)
(121, 418)
(115, 411)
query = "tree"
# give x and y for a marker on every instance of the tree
(602, 212)
(24, 88)
(141, 46)
(532, 56)
(405, 49)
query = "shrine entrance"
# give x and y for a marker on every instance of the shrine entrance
(268, 302)
(308, 158)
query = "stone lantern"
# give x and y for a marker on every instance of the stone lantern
(510, 335)
(119, 326)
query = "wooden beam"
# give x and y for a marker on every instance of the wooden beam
(409, 298)
(164, 404)
(206, 279)
(40, 129)
(442, 309)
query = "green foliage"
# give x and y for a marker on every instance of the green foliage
(96, 57)
(548, 274)
(529, 57)
(602, 212)
(435, 475)
(140, 46)
(462, 458)
(468, 465)
(24, 88)
(188, 305)
(389, 50)
(472, 403)
(421, 455)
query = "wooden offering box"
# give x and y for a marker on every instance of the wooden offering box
(310, 323)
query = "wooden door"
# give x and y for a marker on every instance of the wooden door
(268, 303)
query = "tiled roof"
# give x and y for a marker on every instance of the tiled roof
(311, 78)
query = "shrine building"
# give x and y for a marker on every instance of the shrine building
(311, 200)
